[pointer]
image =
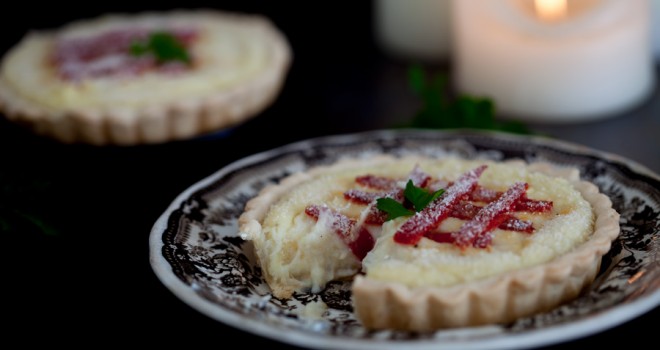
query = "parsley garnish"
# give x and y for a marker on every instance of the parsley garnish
(439, 110)
(393, 208)
(418, 197)
(163, 45)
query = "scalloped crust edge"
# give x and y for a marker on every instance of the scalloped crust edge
(496, 300)
(174, 120)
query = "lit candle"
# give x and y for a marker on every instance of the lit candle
(551, 10)
(413, 29)
(554, 61)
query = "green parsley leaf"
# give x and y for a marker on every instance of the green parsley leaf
(393, 208)
(417, 196)
(420, 197)
(440, 110)
(164, 46)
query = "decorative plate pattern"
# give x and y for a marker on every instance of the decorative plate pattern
(196, 251)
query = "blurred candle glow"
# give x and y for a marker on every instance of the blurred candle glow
(555, 61)
(550, 10)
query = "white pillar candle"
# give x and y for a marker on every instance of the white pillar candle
(655, 28)
(413, 29)
(594, 61)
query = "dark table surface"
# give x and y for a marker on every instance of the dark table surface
(77, 218)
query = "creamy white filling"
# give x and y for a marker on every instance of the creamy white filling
(298, 252)
(227, 52)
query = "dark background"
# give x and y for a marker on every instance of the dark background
(77, 218)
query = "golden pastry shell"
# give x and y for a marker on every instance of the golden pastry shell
(169, 120)
(495, 300)
(499, 299)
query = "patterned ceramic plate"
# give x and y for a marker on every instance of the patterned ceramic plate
(197, 254)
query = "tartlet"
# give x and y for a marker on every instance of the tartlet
(495, 241)
(150, 77)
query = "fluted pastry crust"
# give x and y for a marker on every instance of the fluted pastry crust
(396, 301)
(239, 68)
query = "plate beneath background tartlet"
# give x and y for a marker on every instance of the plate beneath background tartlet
(197, 254)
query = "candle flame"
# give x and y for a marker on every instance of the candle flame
(551, 10)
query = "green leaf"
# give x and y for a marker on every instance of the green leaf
(417, 78)
(393, 208)
(439, 110)
(417, 196)
(164, 46)
(420, 197)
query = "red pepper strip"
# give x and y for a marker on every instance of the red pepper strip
(362, 197)
(514, 224)
(533, 205)
(419, 178)
(424, 221)
(376, 182)
(476, 231)
(467, 211)
(481, 194)
(375, 215)
(511, 224)
(360, 244)
(440, 237)
(74, 57)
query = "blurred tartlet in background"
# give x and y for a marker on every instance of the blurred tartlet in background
(151, 77)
